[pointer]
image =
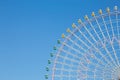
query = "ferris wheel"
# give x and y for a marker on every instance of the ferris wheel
(88, 51)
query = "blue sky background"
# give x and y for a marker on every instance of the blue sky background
(29, 29)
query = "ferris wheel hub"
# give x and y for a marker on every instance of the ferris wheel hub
(116, 74)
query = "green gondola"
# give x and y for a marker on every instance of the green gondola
(58, 41)
(54, 48)
(51, 55)
(49, 61)
(47, 69)
(46, 76)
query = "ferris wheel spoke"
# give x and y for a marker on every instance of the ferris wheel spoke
(109, 39)
(94, 29)
(66, 70)
(80, 53)
(79, 47)
(117, 28)
(93, 45)
(72, 48)
(71, 60)
(75, 56)
(106, 68)
(117, 24)
(116, 15)
(79, 38)
(98, 63)
(65, 76)
(68, 59)
(88, 41)
(113, 36)
(103, 36)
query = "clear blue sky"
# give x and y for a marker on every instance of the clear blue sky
(29, 29)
